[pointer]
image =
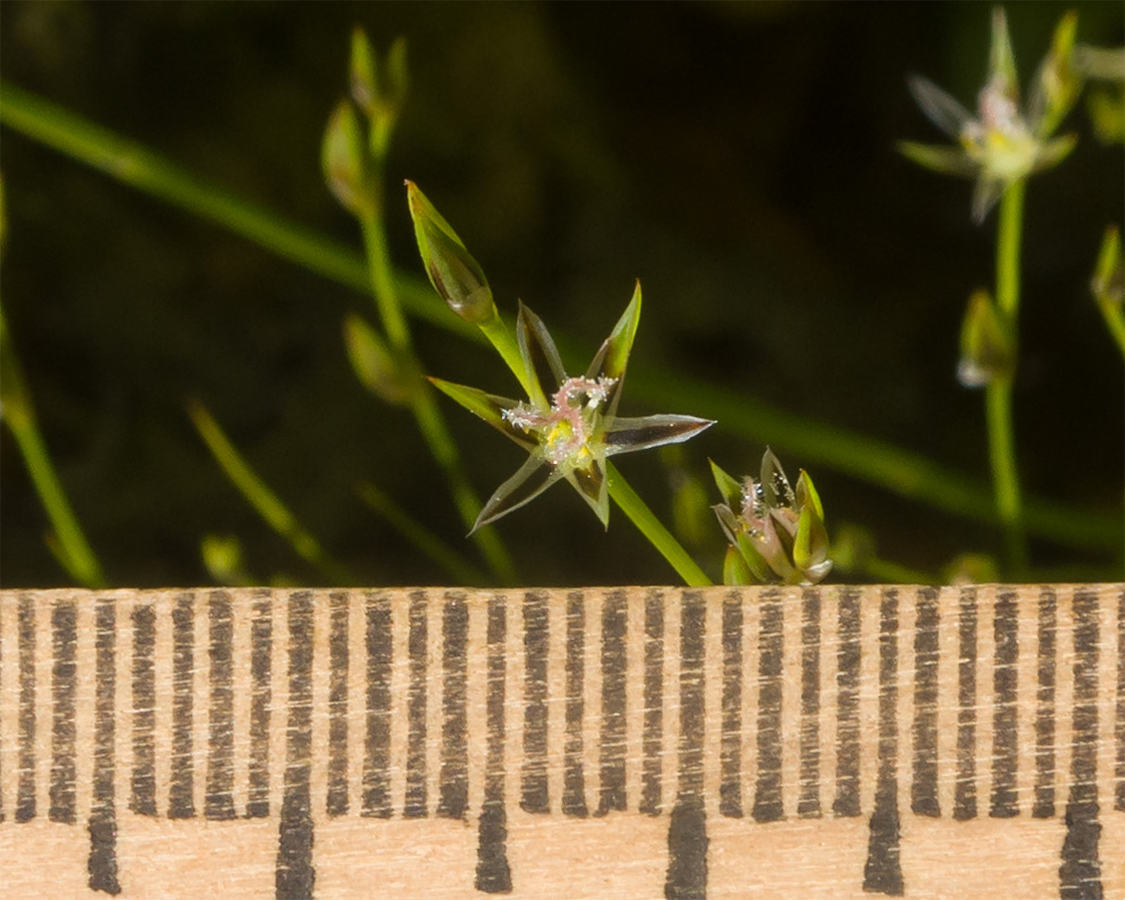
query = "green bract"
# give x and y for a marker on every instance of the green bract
(569, 432)
(1002, 144)
(775, 535)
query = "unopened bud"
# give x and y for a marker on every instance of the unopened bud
(376, 365)
(365, 85)
(986, 348)
(453, 271)
(343, 158)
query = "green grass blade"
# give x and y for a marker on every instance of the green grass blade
(264, 500)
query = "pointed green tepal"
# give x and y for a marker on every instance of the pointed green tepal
(729, 488)
(613, 356)
(1002, 61)
(452, 270)
(487, 406)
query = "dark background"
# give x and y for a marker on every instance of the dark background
(738, 158)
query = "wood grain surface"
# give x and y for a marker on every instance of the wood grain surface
(828, 742)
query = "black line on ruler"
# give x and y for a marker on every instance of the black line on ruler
(1044, 807)
(295, 875)
(883, 870)
(846, 802)
(261, 694)
(1005, 737)
(687, 828)
(453, 796)
(612, 742)
(808, 802)
(218, 802)
(1080, 872)
(494, 876)
(1119, 722)
(25, 789)
(143, 779)
(730, 742)
(102, 864)
(652, 728)
(574, 781)
(533, 791)
(415, 803)
(923, 788)
(965, 787)
(767, 794)
(377, 740)
(336, 803)
(64, 646)
(180, 802)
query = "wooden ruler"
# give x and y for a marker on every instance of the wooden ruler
(599, 743)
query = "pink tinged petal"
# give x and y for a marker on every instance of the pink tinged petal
(768, 542)
(591, 484)
(625, 435)
(539, 353)
(488, 407)
(947, 160)
(939, 107)
(531, 480)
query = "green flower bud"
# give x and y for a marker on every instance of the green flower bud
(972, 568)
(378, 368)
(343, 158)
(363, 76)
(222, 556)
(453, 271)
(777, 534)
(986, 348)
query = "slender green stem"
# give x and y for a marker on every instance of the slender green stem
(264, 500)
(421, 537)
(877, 462)
(424, 405)
(660, 537)
(501, 337)
(998, 395)
(68, 541)
(383, 281)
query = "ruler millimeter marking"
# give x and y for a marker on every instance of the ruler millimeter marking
(537, 717)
